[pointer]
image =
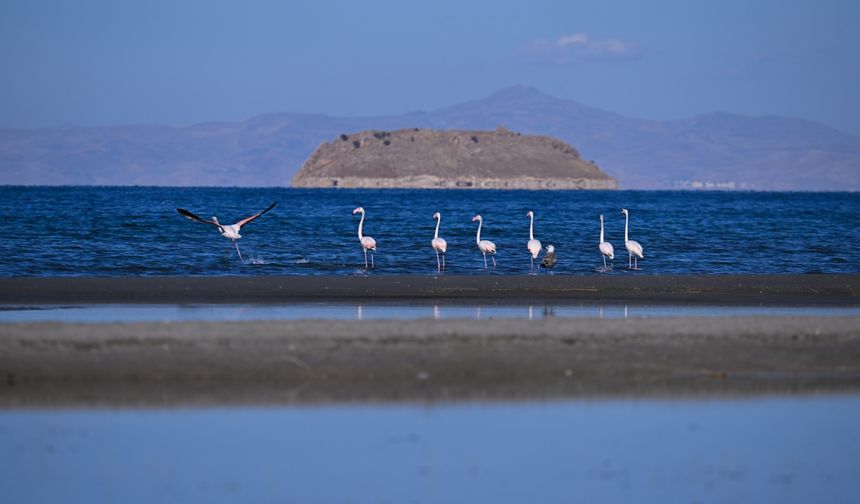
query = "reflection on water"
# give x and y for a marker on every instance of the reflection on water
(786, 449)
(383, 310)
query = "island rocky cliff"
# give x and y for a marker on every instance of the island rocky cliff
(429, 158)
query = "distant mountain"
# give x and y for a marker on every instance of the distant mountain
(766, 153)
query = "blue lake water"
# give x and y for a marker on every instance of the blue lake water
(118, 231)
(795, 449)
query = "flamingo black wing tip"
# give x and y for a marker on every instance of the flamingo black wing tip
(189, 215)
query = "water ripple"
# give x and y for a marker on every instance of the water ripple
(114, 231)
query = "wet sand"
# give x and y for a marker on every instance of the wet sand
(619, 286)
(318, 361)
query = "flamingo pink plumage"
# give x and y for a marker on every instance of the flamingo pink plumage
(634, 250)
(367, 243)
(534, 246)
(439, 244)
(485, 246)
(606, 248)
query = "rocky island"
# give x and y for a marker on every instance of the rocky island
(430, 158)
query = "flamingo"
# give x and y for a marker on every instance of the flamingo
(534, 246)
(485, 246)
(367, 243)
(228, 231)
(634, 250)
(439, 244)
(549, 258)
(606, 248)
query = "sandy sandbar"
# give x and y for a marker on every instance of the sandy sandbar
(316, 361)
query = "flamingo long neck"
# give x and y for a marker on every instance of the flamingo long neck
(480, 223)
(601, 229)
(438, 221)
(531, 226)
(360, 224)
(626, 219)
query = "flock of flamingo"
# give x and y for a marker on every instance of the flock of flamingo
(440, 246)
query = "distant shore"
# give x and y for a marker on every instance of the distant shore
(641, 288)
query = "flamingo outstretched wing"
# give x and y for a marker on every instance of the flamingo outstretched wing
(261, 212)
(197, 218)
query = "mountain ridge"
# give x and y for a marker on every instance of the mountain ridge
(763, 153)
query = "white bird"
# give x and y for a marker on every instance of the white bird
(485, 246)
(227, 230)
(439, 244)
(634, 250)
(606, 248)
(534, 246)
(367, 243)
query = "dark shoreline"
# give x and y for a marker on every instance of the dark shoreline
(707, 289)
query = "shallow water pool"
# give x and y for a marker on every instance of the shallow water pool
(772, 449)
(397, 311)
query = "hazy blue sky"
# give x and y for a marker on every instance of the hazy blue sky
(107, 61)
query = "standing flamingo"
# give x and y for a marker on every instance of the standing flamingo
(227, 230)
(606, 248)
(534, 246)
(367, 243)
(439, 244)
(634, 250)
(485, 246)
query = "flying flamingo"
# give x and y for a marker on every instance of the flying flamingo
(634, 250)
(549, 259)
(485, 246)
(439, 244)
(367, 243)
(606, 249)
(534, 246)
(228, 231)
